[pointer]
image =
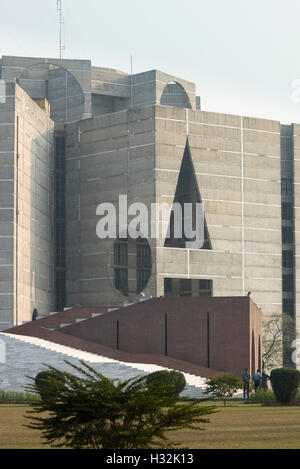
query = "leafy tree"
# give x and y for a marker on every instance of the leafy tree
(278, 336)
(90, 411)
(174, 379)
(223, 385)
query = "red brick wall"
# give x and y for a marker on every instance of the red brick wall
(142, 330)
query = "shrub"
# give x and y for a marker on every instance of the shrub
(223, 385)
(262, 396)
(94, 412)
(285, 383)
(7, 397)
(174, 380)
(43, 383)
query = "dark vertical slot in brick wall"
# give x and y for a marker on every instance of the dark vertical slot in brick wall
(118, 335)
(208, 339)
(166, 334)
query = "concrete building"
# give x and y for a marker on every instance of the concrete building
(73, 136)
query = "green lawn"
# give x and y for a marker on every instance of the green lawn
(240, 426)
(235, 426)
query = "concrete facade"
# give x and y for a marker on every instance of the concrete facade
(7, 132)
(237, 166)
(128, 135)
(26, 166)
(139, 153)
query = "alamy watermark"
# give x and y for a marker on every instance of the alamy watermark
(137, 220)
(296, 353)
(2, 92)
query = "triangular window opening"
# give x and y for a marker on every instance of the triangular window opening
(187, 191)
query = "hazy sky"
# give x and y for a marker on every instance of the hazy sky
(243, 55)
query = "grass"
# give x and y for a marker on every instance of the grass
(240, 426)
(237, 426)
(12, 433)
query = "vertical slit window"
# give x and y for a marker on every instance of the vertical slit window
(168, 285)
(185, 287)
(287, 283)
(287, 235)
(286, 186)
(121, 254)
(60, 227)
(205, 288)
(287, 211)
(60, 153)
(121, 280)
(288, 259)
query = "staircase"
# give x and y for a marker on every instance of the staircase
(27, 356)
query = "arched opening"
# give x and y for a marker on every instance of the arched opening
(35, 314)
(175, 95)
(58, 86)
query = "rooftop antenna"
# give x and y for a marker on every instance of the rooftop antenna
(62, 45)
(131, 80)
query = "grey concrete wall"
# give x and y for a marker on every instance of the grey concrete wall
(26, 161)
(33, 257)
(66, 96)
(102, 104)
(148, 88)
(32, 79)
(110, 82)
(297, 225)
(141, 89)
(7, 161)
(106, 156)
(163, 79)
(237, 165)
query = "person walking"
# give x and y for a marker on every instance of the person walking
(264, 380)
(246, 381)
(257, 380)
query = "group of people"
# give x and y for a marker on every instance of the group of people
(260, 381)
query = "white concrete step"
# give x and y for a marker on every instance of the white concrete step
(31, 353)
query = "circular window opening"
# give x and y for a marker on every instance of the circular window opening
(132, 265)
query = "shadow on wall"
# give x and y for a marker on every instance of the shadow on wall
(59, 86)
